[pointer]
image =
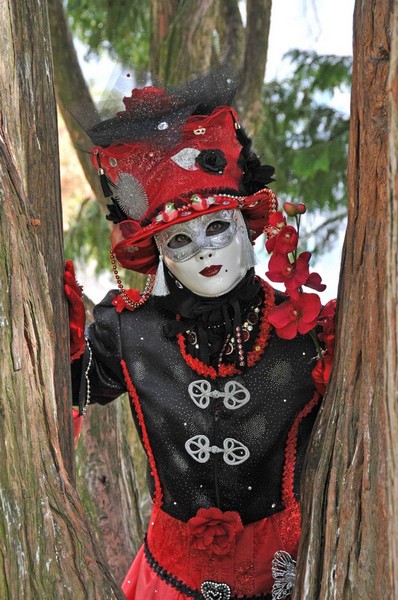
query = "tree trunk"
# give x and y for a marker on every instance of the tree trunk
(348, 524)
(188, 46)
(249, 98)
(162, 15)
(111, 485)
(45, 541)
(231, 33)
(106, 479)
(392, 317)
(106, 474)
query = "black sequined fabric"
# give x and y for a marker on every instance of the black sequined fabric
(278, 386)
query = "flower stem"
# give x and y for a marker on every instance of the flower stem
(315, 339)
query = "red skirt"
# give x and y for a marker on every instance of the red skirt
(185, 560)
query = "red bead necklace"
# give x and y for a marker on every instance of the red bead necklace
(229, 369)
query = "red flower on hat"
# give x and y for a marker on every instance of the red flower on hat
(297, 315)
(215, 531)
(292, 274)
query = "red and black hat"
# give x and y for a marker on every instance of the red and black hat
(160, 181)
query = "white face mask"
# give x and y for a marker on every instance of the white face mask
(210, 254)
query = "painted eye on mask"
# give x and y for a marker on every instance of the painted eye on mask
(217, 227)
(178, 241)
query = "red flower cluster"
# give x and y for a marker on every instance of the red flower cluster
(215, 531)
(299, 314)
(323, 368)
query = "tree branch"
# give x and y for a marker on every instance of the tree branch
(71, 89)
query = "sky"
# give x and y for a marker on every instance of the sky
(326, 27)
(321, 25)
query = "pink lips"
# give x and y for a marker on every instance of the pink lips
(210, 271)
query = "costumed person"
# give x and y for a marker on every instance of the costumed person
(224, 374)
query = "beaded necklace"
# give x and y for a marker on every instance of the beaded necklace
(229, 369)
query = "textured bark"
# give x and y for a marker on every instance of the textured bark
(231, 33)
(107, 483)
(188, 47)
(162, 14)
(347, 516)
(45, 543)
(183, 43)
(72, 90)
(106, 474)
(391, 366)
(248, 100)
(107, 479)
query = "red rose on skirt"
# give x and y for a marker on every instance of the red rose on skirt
(214, 531)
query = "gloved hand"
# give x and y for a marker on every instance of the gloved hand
(77, 313)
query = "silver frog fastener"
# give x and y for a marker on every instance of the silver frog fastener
(234, 452)
(235, 395)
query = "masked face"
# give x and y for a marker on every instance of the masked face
(208, 255)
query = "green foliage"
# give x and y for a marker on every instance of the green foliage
(87, 238)
(306, 139)
(303, 136)
(119, 29)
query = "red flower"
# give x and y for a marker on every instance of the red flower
(327, 314)
(214, 531)
(290, 209)
(276, 222)
(314, 282)
(327, 320)
(284, 242)
(321, 373)
(294, 274)
(297, 315)
(119, 302)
